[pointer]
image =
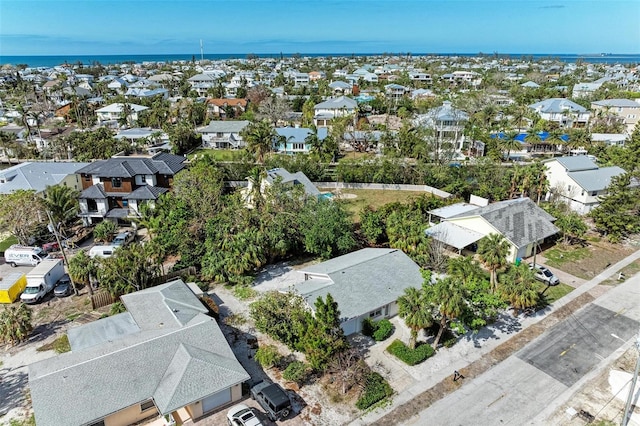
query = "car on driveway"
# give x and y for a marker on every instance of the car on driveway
(542, 273)
(63, 287)
(273, 400)
(242, 415)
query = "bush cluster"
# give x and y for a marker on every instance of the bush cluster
(408, 355)
(379, 330)
(268, 356)
(376, 389)
(296, 371)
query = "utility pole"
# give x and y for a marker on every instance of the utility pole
(54, 229)
(627, 409)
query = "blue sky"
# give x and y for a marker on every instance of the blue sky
(99, 27)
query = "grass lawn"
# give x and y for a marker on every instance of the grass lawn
(627, 272)
(588, 261)
(6, 243)
(375, 198)
(553, 293)
(219, 154)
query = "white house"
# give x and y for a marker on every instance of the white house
(114, 112)
(624, 110)
(223, 134)
(365, 284)
(326, 111)
(447, 122)
(578, 181)
(565, 113)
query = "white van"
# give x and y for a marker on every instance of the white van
(23, 255)
(102, 251)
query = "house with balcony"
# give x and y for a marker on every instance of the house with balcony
(223, 134)
(115, 189)
(447, 123)
(578, 181)
(341, 88)
(395, 92)
(626, 111)
(563, 112)
(201, 83)
(117, 111)
(226, 108)
(164, 361)
(293, 140)
(326, 111)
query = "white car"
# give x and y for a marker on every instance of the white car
(242, 415)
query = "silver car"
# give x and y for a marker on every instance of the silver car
(542, 273)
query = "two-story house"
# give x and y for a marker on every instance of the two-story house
(226, 108)
(578, 181)
(293, 140)
(625, 110)
(223, 134)
(114, 112)
(447, 124)
(326, 111)
(116, 188)
(565, 113)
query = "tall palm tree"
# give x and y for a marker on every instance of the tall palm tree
(509, 142)
(464, 268)
(62, 203)
(493, 250)
(259, 138)
(449, 296)
(415, 310)
(82, 268)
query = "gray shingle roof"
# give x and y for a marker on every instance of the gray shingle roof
(361, 281)
(178, 356)
(146, 192)
(624, 103)
(224, 127)
(557, 105)
(595, 180)
(126, 167)
(93, 192)
(341, 102)
(297, 178)
(520, 221)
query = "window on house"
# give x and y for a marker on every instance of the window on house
(375, 313)
(116, 182)
(98, 423)
(147, 405)
(125, 203)
(87, 178)
(594, 193)
(219, 134)
(143, 178)
(298, 146)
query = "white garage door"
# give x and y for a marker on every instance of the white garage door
(217, 399)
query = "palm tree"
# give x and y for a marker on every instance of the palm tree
(82, 268)
(62, 203)
(464, 268)
(15, 323)
(259, 138)
(510, 142)
(517, 288)
(449, 296)
(414, 309)
(493, 250)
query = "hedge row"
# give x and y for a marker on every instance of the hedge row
(376, 389)
(408, 355)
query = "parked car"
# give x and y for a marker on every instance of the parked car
(63, 288)
(273, 400)
(123, 238)
(542, 273)
(242, 415)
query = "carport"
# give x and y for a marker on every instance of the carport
(453, 235)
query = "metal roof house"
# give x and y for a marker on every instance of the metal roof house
(223, 134)
(164, 356)
(365, 284)
(36, 176)
(520, 221)
(578, 181)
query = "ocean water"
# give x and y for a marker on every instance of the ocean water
(51, 61)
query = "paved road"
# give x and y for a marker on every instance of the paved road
(546, 371)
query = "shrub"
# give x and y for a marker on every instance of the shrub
(268, 356)
(244, 292)
(117, 308)
(368, 327)
(408, 355)
(383, 330)
(296, 371)
(376, 389)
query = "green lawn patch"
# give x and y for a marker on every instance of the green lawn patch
(7, 242)
(553, 293)
(375, 198)
(219, 154)
(558, 255)
(410, 356)
(627, 272)
(60, 345)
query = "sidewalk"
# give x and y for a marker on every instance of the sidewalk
(475, 354)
